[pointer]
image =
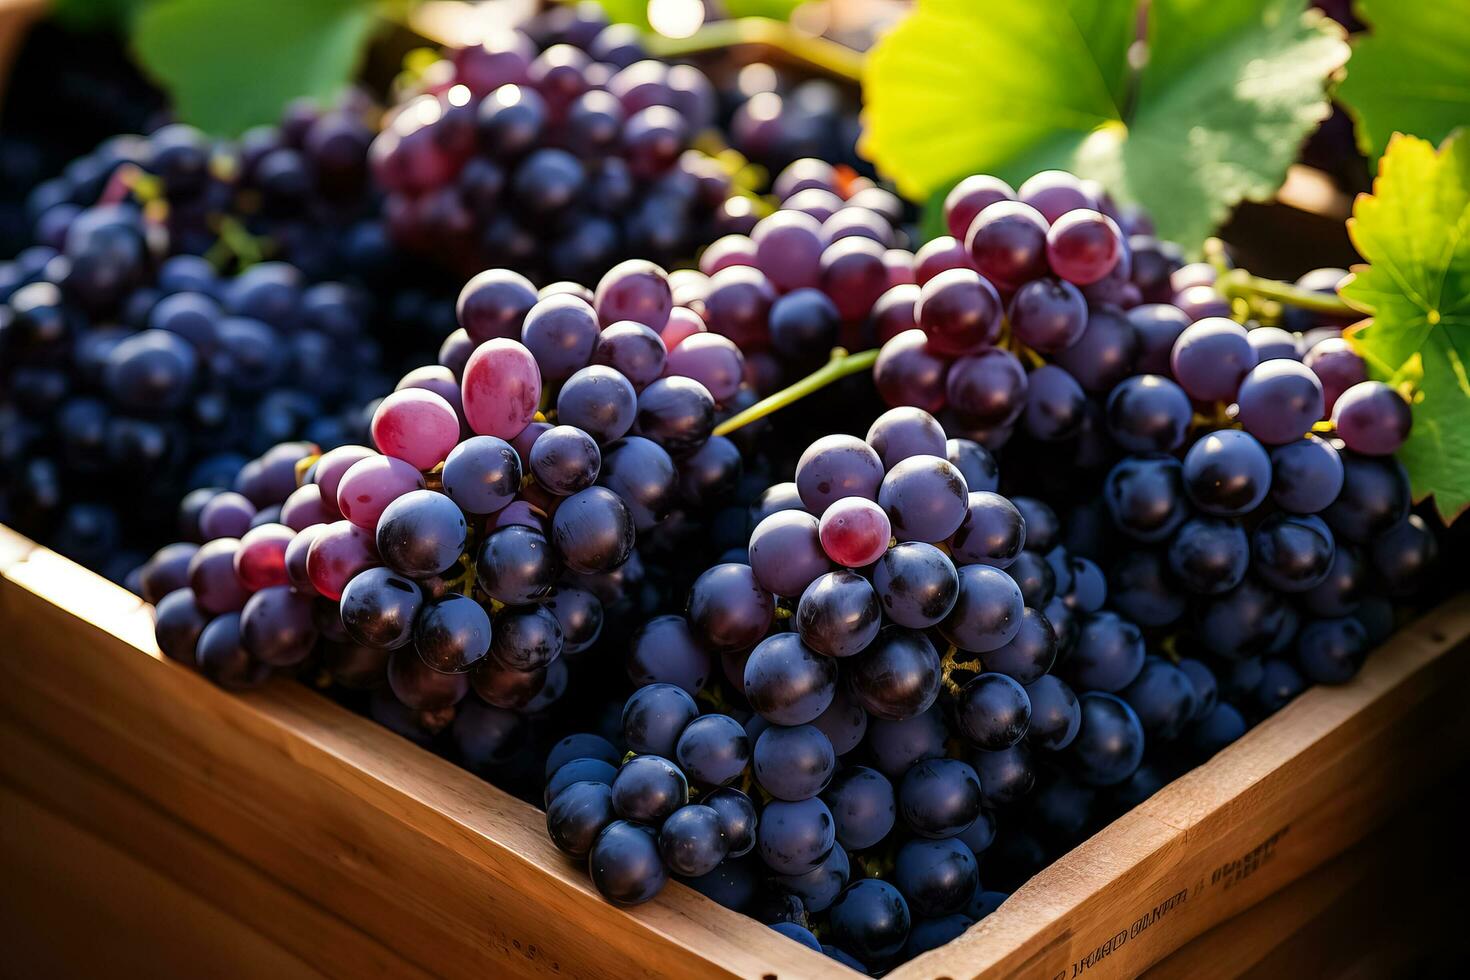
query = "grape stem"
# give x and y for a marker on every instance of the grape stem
(840, 366)
(949, 664)
(809, 49)
(1240, 284)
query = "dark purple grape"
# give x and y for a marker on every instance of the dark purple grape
(664, 650)
(1158, 326)
(992, 532)
(795, 837)
(1209, 555)
(1109, 654)
(713, 750)
(655, 716)
(420, 687)
(737, 819)
(987, 615)
(223, 659)
(1056, 714)
(897, 676)
(1048, 315)
(647, 789)
(1279, 401)
(1372, 418)
(925, 497)
(516, 565)
(641, 472)
(633, 350)
(1374, 497)
(909, 373)
(817, 888)
(1210, 359)
(987, 389)
(691, 840)
(959, 311)
(1148, 414)
(1227, 473)
(839, 614)
(1007, 243)
(676, 413)
(787, 682)
(1106, 353)
(786, 553)
(577, 815)
(1291, 553)
(1331, 651)
(916, 583)
(804, 326)
(993, 711)
(379, 607)
(1109, 744)
(452, 633)
(599, 401)
(526, 639)
(179, 621)
(793, 763)
(1029, 654)
(565, 460)
(1164, 698)
(937, 877)
(495, 302)
(939, 798)
(561, 331)
(593, 531)
(625, 863)
(1306, 475)
(974, 462)
(728, 609)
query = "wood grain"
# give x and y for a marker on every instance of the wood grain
(307, 840)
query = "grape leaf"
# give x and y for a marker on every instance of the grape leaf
(230, 65)
(635, 12)
(1414, 231)
(95, 14)
(1214, 116)
(1409, 73)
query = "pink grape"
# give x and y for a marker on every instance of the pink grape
(1083, 246)
(854, 532)
(330, 469)
(1007, 244)
(306, 507)
(900, 266)
(940, 255)
(336, 554)
(416, 426)
(1054, 193)
(1337, 366)
(683, 324)
(634, 290)
(260, 561)
(959, 311)
(712, 360)
(727, 251)
(502, 388)
(909, 372)
(371, 485)
(788, 249)
(971, 196)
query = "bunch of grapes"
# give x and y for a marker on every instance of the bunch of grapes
(903, 650)
(127, 379)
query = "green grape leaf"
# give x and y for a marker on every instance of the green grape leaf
(633, 12)
(230, 65)
(1414, 232)
(95, 14)
(1215, 115)
(1409, 73)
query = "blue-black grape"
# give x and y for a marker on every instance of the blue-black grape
(794, 837)
(897, 676)
(838, 614)
(577, 816)
(1209, 555)
(870, 920)
(1109, 743)
(1164, 698)
(993, 711)
(819, 887)
(625, 865)
(936, 877)
(655, 716)
(713, 750)
(379, 606)
(939, 798)
(452, 633)
(916, 583)
(862, 804)
(647, 789)
(987, 614)
(787, 682)
(692, 841)
(738, 819)
(1006, 775)
(793, 763)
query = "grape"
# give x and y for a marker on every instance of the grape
(988, 389)
(1404, 555)
(788, 249)
(959, 312)
(939, 798)
(925, 497)
(664, 650)
(804, 326)
(853, 274)
(1209, 555)
(379, 606)
(1211, 358)
(728, 609)
(647, 789)
(870, 919)
(917, 584)
(1227, 473)
(1029, 654)
(179, 622)
(737, 819)
(625, 864)
(712, 360)
(787, 682)
(494, 304)
(655, 716)
(1109, 653)
(1141, 588)
(900, 433)
(335, 555)
(560, 332)
(834, 467)
(1371, 418)
(1306, 475)
(526, 640)
(897, 676)
(818, 887)
(838, 614)
(516, 565)
(1164, 699)
(908, 372)
(939, 255)
(452, 633)
(1337, 366)
(333, 466)
(795, 837)
(1331, 651)
(1106, 353)
(713, 750)
(1056, 714)
(1216, 730)
(633, 350)
(223, 659)
(593, 531)
(1292, 553)
(416, 426)
(422, 688)
(1158, 326)
(896, 745)
(576, 816)
(1340, 591)
(1273, 343)
(677, 414)
(1279, 400)
(992, 532)
(1083, 246)
(1374, 497)
(712, 473)
(854, 532)
(1048, 315)
(691, 841)
(1007, 243)
(1109, 743)
(227, 515)
(565, 460)
(974, 462)
(422, 534)
(738, 306)
(306, 507)
(862, 805)
(993, 711)
(260, 559)
(642, 474)
(1055, 192)
(971, 196)
(1241, 623)
(276, 627)
(786, 552)
(987, 614)
(370, 485)
(793, 763)
(936, 877)
(1055, 405)
(599, 401)
(1147, 413)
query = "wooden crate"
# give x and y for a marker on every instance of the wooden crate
(198, 832)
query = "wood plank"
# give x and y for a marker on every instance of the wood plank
(79, 907)
(443, 868)
(1304, 785)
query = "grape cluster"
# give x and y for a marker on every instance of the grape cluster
(556, 159)
(127, 379)
(894, 644)
(480, 541)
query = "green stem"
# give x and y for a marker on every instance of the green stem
(840, 366)
(1238, 283)
(817, 52)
